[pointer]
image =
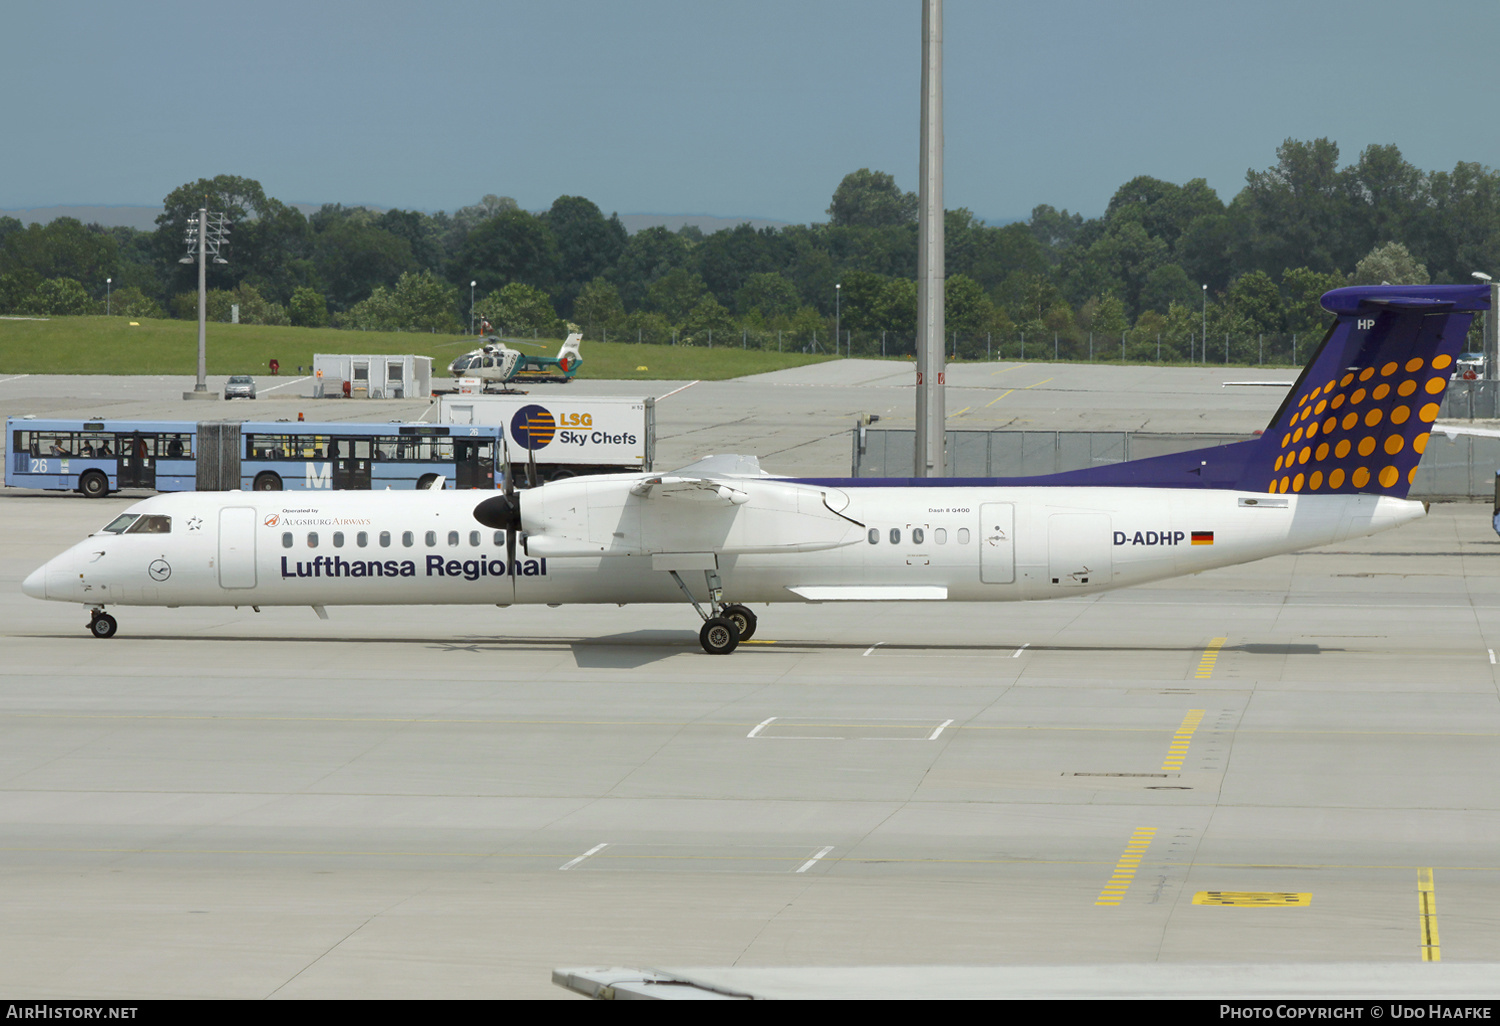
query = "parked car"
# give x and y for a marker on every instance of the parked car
(240, 386)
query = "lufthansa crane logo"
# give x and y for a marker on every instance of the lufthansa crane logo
(159, 570)
(533, 426)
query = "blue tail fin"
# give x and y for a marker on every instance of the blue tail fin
(1358, 418)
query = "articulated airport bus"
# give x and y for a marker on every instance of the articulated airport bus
(96, 457)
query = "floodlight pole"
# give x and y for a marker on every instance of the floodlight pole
(931, 414)
(202, 385)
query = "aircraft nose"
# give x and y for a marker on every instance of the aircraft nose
(36, 584)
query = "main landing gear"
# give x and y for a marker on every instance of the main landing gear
(101, 624)
(724, 626)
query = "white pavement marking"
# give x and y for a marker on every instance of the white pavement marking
(284, 384)
(18, 377)
(941, 727)
(761, 727)
(1017, 653)
(879, 643)
(596, 848)
(674, 391)
(1492, 657)
(810, 862)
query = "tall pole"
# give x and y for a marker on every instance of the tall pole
(838, 292)
(202, 385)
(1205, 326)
(931, 420)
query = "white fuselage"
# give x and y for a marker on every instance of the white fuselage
(975, 544)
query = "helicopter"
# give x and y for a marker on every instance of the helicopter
(495, 363)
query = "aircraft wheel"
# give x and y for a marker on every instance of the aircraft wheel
(269, 481)
(94, 485)
(103, 626)
(719, 636)
(743, 619)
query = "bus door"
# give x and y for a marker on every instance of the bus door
(473, 463)
(136, 460)
(351, 462)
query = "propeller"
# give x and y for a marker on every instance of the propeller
(503, 512)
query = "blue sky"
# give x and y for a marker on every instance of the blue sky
(735, 109)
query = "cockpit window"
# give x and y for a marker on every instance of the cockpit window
(120, 522)
(151, 524)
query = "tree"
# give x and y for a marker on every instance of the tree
(1256, 302)
(308, 308)
(707, 319)
(598, 307)
(353, 257)
(268, 240)
(1164, 286)
(58, 297)
(676, 292)
(768, 294)
(648, 254)
(62, 248)
(418, 302)
(512, 246)
(587, 244)
(1390, 264)
(519, 309)
(871, 199)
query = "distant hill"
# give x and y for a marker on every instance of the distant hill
(144, 218)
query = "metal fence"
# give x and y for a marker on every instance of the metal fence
(1471, 400)
(1461, 467)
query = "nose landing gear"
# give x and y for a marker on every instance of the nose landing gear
(728, 625)
(101, 624)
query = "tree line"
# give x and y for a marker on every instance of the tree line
(1167, 269)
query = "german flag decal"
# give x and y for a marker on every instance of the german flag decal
(1203, 537)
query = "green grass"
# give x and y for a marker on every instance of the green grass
(110, 345)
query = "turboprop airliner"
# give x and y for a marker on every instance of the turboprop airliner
(1335, 462)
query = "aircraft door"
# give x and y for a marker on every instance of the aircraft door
(136, 466)
(997, 543)
(1078, 549)
(351, 462)
(237, 547)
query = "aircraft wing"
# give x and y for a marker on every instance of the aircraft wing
(693, 489)
(725, 466)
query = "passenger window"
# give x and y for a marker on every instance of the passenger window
(940, 535)
(286, 540)
(312, 539)
(963, 536)
(917, 536)
(499, 537)
(152, 524)
(385, 539)
(895, 536)
(474, 539)
(874, 536)
(452, 537)
(431, 539)
(408, 539)
(338, 539)
(361, 539)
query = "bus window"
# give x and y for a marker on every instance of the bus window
(119, 523)
(151, 524)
